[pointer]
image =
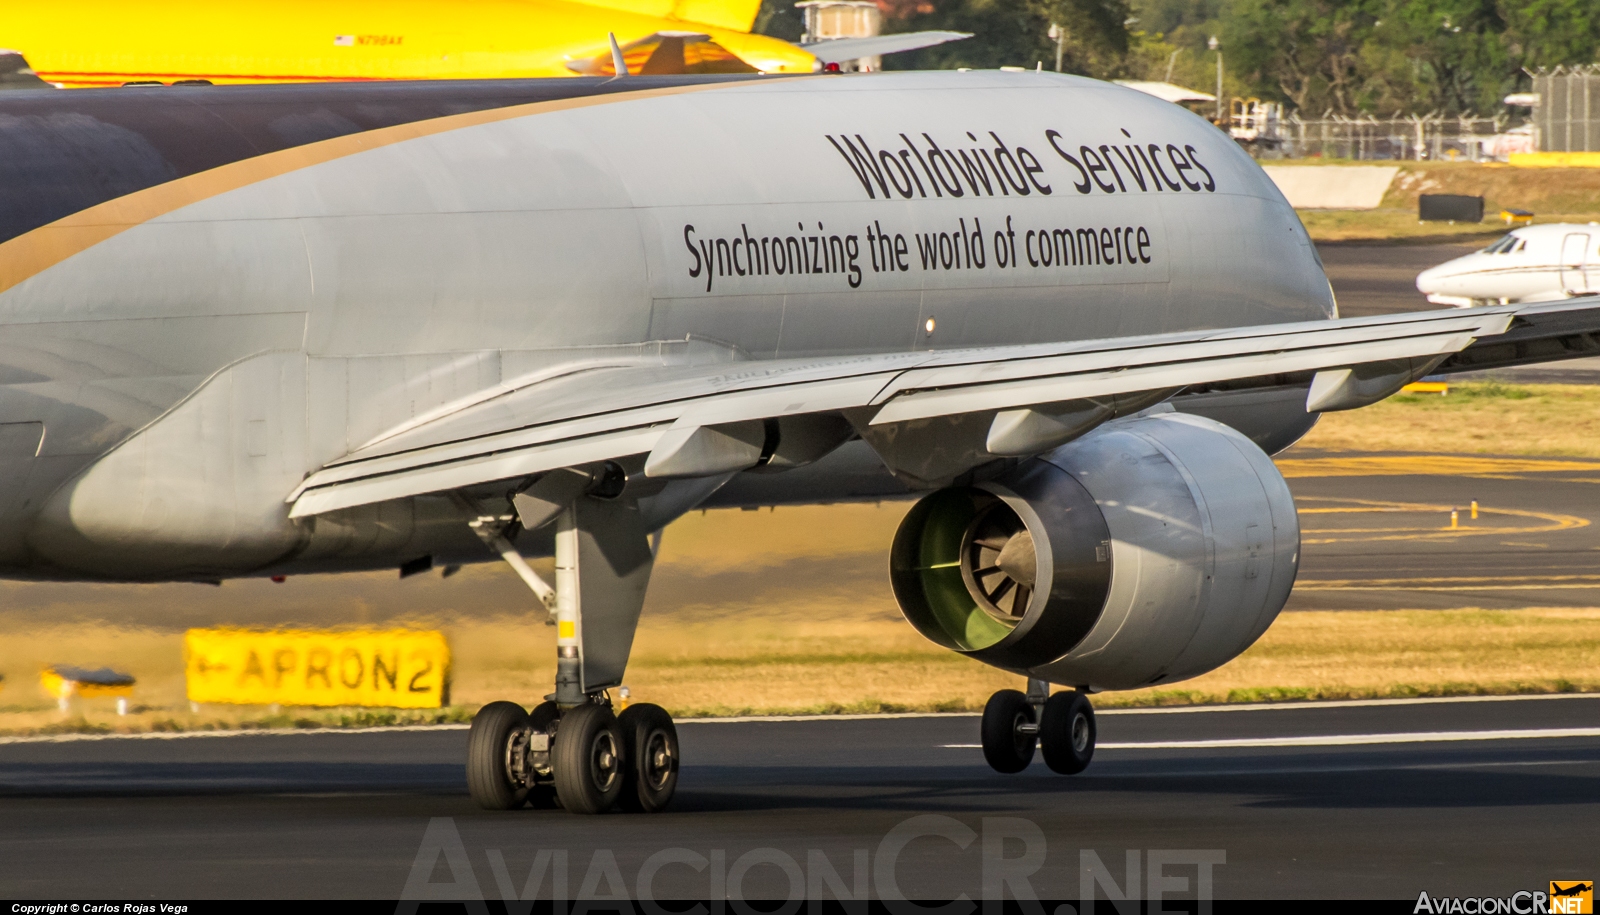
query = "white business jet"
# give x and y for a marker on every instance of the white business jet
(1531, 264)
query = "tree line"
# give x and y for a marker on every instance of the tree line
(1379, 57)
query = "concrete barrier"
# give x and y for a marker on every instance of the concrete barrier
(1333, 187)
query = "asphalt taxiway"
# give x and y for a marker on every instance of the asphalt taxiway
(1350, 800)
(1376, 531)
(1374, 279)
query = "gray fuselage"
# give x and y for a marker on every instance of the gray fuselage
(182, 340)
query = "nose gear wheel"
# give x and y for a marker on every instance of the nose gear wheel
(1062, 726)
(1067, 732)
(1009, 731)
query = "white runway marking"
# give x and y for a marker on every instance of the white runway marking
(1338, 703)
(1302, 705)
(1172, 710)
(745, 719)
(1333, 740)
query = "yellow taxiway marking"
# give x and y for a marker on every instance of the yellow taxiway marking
(1543, 522)
(1429, 465)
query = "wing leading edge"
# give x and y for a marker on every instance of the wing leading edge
(971, 406)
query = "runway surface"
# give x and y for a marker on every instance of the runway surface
(1353, 800)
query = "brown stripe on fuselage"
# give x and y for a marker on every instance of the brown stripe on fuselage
(32, 253)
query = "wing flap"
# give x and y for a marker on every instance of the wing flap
(1059, 385)
(1545, 332)
(349, 493)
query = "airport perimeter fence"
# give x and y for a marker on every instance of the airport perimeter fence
(1568, 110)
(1417, 138)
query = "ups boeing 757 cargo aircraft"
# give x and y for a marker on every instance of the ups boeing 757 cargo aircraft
(251, 331)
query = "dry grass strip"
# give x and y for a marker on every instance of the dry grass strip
(1547, 420)
(787, 664)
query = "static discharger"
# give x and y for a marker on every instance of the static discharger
(64, 681)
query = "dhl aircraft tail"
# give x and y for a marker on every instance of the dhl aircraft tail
(735, 15)
(88, 43)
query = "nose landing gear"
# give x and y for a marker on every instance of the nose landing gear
(1062, 725)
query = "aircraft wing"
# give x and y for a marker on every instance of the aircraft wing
(702, 420)
(839, 50)
(1539, 333)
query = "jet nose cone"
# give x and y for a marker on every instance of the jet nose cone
(1429, 279)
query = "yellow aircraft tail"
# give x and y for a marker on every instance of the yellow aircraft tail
(736, 15)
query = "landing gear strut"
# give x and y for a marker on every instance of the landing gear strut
(573, 751)
(1015, 723)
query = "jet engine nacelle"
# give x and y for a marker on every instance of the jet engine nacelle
(1150, 550)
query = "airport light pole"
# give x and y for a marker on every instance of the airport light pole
(1216, 45)
(1059, 34)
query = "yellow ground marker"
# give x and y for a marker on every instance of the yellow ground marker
(1544, 522)
(1427, 387)
(1556, 160)
(66, 681)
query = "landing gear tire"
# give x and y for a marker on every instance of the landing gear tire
(650, 757)
(587, 759)
(489, 773)
(542, 796)
(1067, 732)
(1007, 745)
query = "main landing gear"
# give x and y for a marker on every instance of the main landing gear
(1061, 725)
(584, 759)
(573, 751)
